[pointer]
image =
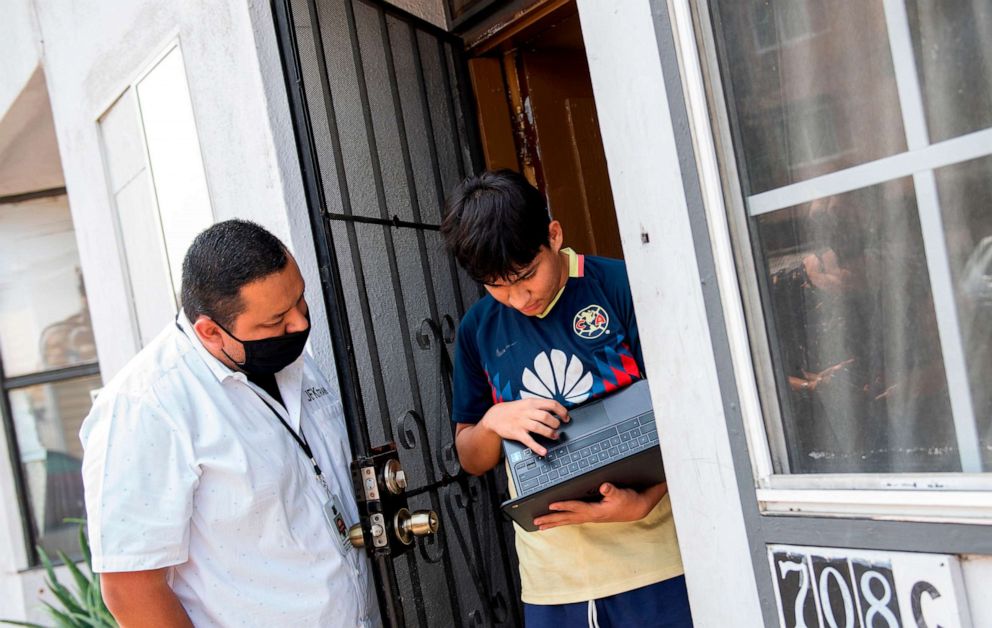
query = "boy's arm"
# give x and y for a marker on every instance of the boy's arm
(479, 444)
(618, 504)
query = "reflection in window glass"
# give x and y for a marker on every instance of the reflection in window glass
(779, 23)
(811, 85)
(965, 192)
(854, 336)
(953, 46)
(46, 420)
(44, 319)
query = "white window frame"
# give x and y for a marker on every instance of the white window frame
(946, 497)
(130, 88)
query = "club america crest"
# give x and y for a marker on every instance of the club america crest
(591, 322)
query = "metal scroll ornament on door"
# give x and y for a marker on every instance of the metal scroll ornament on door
(383, 128)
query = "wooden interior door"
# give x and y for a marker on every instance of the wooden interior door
(537, 115)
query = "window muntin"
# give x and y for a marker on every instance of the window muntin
(886, 160)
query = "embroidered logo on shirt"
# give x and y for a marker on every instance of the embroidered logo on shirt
(557, 377)
(315, 393)
(591, 322)
(500, 352)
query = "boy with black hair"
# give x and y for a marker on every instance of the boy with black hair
(556, 329)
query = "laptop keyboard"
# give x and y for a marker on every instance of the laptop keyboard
(584, 454)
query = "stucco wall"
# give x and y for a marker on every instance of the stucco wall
(429, 10)
(20, 49)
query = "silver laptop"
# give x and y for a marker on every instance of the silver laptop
(611, 439)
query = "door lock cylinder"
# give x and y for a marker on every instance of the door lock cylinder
(409, 525)
(394, 477)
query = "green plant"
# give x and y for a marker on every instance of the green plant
(83, 608)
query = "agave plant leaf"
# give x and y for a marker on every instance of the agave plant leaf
(84, 546)
(62, 620)
(98, 610)
(83, 620)
(82, 609)
(82, 582)
(64, 595)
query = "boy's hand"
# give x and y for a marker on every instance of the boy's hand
(519, 420)
(618, 504)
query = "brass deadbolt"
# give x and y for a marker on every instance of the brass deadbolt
(394, 477)
(357, 536)
(409, 525)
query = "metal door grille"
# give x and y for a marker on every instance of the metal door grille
(384, 129)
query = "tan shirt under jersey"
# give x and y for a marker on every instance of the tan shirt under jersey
(585, 562)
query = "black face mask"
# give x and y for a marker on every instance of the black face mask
(267, 356)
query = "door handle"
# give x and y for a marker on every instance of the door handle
(408, 525)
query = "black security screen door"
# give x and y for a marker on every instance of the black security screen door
(384, 130)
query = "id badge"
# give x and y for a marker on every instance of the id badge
(335, 515)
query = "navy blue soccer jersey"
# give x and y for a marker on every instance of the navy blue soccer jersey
(586, 346)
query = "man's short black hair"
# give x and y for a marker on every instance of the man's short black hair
(223, 259)
(496, 224)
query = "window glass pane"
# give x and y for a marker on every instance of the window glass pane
(953, 44)
(965, 192)
(44, 320)
(46, 420)
(854, 337)
(811, 86)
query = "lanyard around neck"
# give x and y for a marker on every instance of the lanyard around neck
(301, 440)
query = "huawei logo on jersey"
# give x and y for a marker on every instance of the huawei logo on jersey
(557, 377)
(591, 322)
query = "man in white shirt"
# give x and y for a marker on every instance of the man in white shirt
(216, 461)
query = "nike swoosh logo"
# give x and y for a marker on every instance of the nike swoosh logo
(500, 352)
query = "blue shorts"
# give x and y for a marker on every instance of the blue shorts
(661, 605)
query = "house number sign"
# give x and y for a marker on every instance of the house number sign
(818, 587)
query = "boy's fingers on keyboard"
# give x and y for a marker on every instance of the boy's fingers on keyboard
(539, 427)
(529, 442)
(554, 408)
(545, 418)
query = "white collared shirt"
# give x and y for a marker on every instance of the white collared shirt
(187, 467)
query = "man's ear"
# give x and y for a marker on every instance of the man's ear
(208, 332)
(555, 236)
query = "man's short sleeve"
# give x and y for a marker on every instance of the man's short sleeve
(472, 395)
(139, 479)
